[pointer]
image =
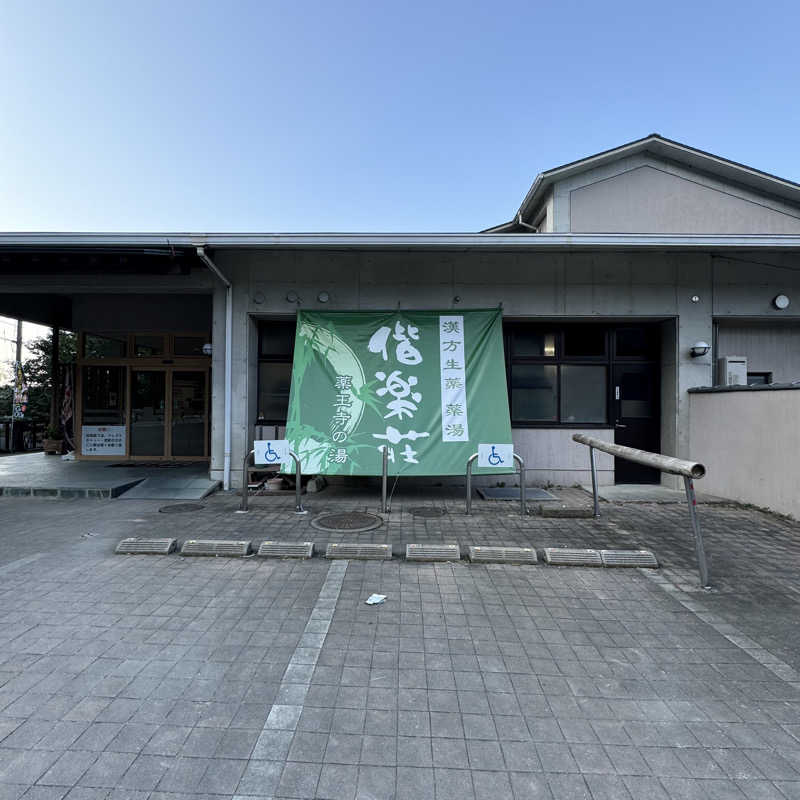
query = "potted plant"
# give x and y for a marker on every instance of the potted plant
(53, 440)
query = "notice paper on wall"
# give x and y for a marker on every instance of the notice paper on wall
(103, 440)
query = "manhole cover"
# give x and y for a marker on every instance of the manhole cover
(428, 511)
(181, 508)
(348, 521)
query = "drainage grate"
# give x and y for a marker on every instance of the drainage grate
(347, 522)
(363, 551)
(147, 546)
(503, 555)
(427, 511)
(214, 547)
(181, 508)
(512, 493)
(572, 557)
(286, 549)
(433, 552)
(628, 558)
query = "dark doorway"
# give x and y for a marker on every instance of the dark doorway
(637, 420)
(636, 407)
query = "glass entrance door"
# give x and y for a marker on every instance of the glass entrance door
(188, 429)
(148, 412)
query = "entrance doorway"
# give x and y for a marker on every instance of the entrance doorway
(636, 404)
(168, 413)
(149, 405)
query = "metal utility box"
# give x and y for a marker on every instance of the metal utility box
(732, 371)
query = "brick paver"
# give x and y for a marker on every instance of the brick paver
(169, 678)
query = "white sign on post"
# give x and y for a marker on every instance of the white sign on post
(271, 451)
(500, 456)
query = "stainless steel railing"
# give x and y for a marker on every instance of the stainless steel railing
(522, 506)
(298, 489)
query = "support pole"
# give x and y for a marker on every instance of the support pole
(228, 424)
(522, 506)
(470, 462)
(246, 481)
(16, 367)
(691, 501)
(596, 499)
(385, 480)
(54, 374)
(298, 484)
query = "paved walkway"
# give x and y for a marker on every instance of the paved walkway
(41, 475)
(168, 678)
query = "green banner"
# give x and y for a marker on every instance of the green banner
(427, 385)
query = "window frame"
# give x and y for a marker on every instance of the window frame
(559, 359)
(272, 358)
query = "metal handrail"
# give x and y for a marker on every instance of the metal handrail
(688, 470)
(523, 508)
(298, 506)
(675, 466)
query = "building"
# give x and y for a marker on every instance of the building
(611, 271)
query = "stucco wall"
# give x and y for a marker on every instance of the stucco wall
(648, 199)
(749, 442)
(646, 194)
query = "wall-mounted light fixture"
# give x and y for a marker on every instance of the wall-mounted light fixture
(699, 349)
(323, 297)
(695, 298)
(208, 349)
(292, 297)
(780, 301)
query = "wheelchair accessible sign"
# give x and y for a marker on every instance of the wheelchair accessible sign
(271, 451)
(499, 456)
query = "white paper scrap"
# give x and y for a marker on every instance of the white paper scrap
(375, 599)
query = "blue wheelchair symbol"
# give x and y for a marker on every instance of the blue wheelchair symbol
(270, 456)
(494, 458)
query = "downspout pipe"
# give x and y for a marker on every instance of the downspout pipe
(226, 466)
(532, 228)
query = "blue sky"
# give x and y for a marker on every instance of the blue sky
(357, 116)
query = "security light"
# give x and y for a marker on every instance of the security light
(699, 349)
(780, 302)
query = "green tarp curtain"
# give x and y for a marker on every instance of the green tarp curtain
(427, 385)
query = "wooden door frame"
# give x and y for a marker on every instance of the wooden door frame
(167, 363)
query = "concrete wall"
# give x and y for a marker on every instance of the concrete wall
(550, 455)
(552, 458)
(645, 194)
(669, 395)
(558, 286)
(750, 444)
(769, 347)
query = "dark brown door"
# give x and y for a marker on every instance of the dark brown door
(637, 419)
